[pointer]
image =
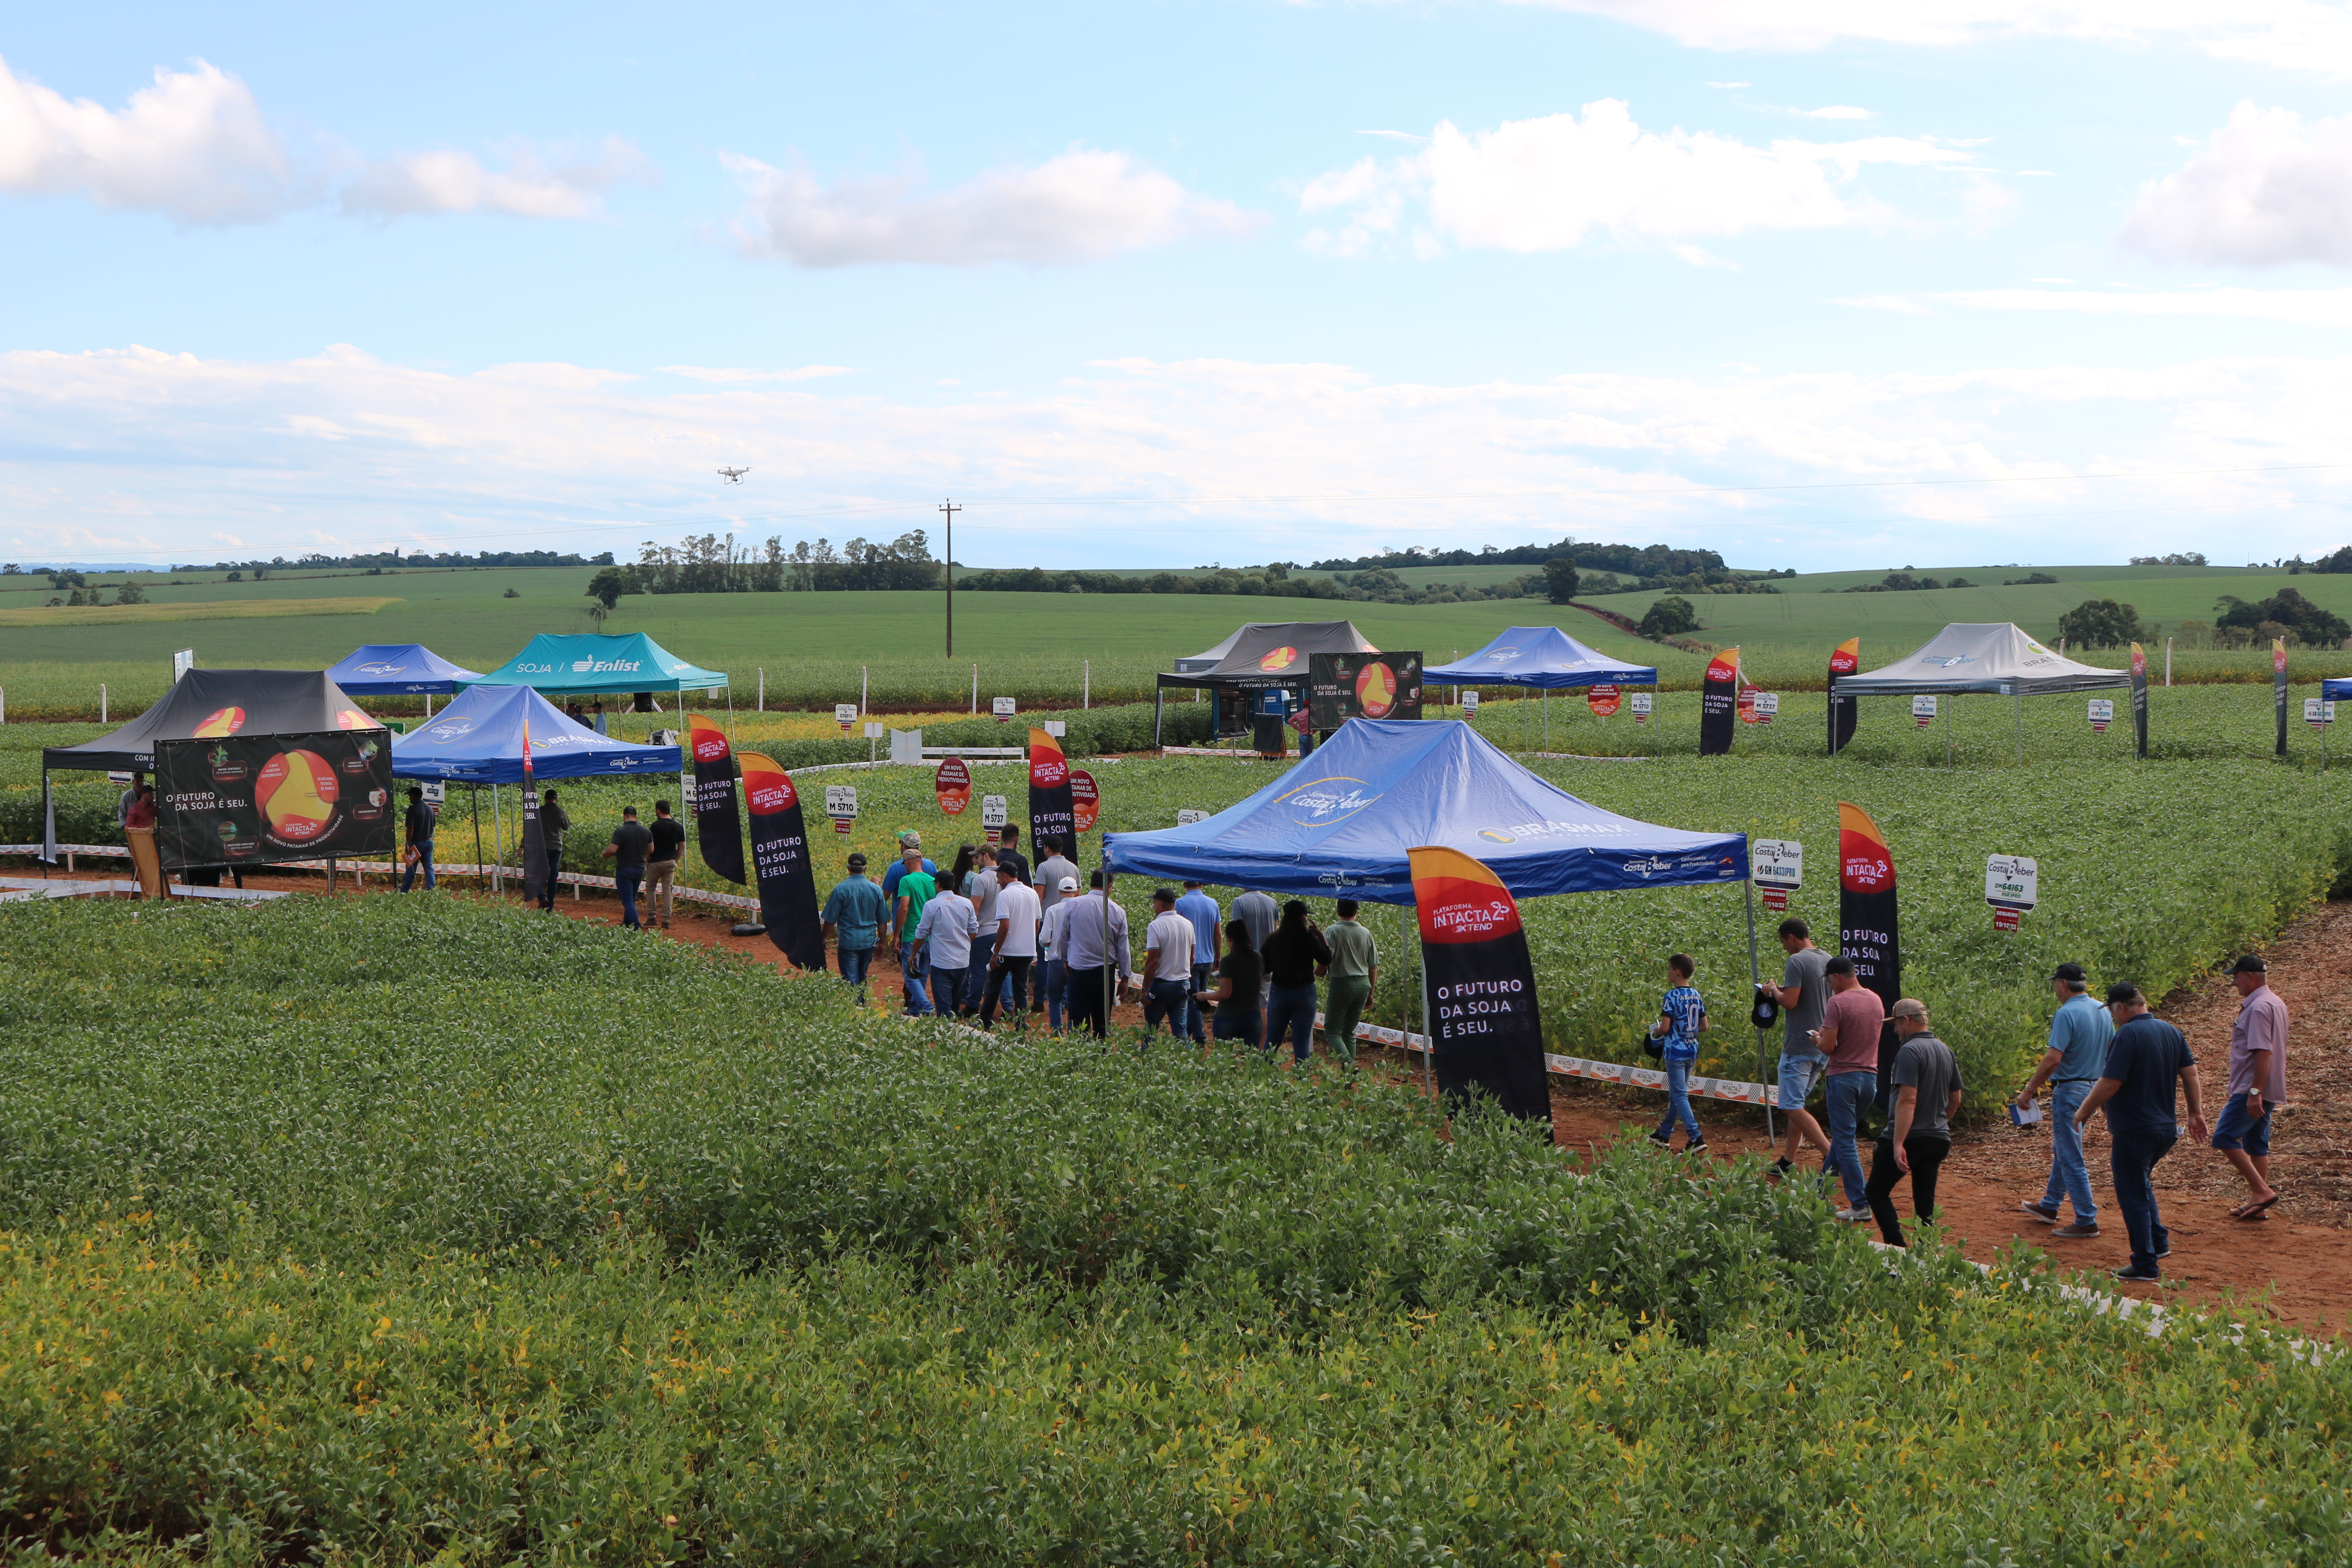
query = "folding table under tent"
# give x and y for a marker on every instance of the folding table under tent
(1261, 656)
(398, 669)
(201, 704)
(1543, 657)
(1340, 823)
(1990, 657)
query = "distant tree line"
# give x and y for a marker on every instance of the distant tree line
(2237, 622)
(383, 560)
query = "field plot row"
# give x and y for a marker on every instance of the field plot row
(398, 1231)
(2150, 872)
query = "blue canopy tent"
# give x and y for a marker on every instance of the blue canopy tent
(398, 669)
(1544, 657)
(2337, 689)
(1340, 823)
(477, 739)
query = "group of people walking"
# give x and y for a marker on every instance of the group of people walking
(991, 936)
(644, 856)
(1861, 1061)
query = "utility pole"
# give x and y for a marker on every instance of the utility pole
(951, 508)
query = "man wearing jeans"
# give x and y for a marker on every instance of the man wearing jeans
(419, 823)
(1208, 936)
(2135, 1089)
(854, 912)
(1848, 1036)
(1167, 965)
(628, 854)
(2078, 1048)
(1805, 995)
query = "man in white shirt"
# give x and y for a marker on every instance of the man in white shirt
(1053, 975)
(1167, 945)
(1017, 920)
(1085, 962)
(948, 927)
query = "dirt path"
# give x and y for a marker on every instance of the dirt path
(2301, 1257)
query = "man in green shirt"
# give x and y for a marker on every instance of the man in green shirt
(1354, 969)
(916, 889)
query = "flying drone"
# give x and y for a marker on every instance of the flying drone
(733, 476)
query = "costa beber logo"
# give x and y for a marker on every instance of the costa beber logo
(1325, 800)
(451, 728)
(383, 671)
(1501, 655)
(1282, 658)
(1649, 866)
(1954, 660)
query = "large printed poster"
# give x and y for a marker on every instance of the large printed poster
(780, 860)
(1344, 685)
(248, 800)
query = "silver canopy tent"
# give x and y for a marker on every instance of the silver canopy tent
(1990, 657)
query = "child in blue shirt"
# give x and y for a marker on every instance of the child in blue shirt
(1681, 1016)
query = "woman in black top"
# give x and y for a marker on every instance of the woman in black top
(1238, 975)
(1293, 954)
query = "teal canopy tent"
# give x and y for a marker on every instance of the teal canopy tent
(591, 663)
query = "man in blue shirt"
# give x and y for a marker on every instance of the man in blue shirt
(856, 909)
(1681, 1016)
(2135, 1087)
(2078, 1048)
(907, 839)
(1208, 941)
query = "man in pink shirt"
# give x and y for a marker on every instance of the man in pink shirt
(2257, 1084)
(1849, 1039)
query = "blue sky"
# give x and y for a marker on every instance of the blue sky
(1815, 282)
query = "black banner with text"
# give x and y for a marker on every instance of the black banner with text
(1484, 1022)
(248, 800)
(1718, 704)
(780, 859)
(718, 823)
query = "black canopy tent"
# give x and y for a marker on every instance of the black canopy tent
(1261, 656)
(204, 703)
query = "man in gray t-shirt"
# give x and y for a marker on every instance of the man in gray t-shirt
(1925, 1083)
(1804, 999)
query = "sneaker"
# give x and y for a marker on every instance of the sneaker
(2077, 1231)
(1661, 1141)
(1782, 1167)
(1853, 1217)
(2143, 1275)
(2164, 1249)
(2046, 1215)
(1695, 1146)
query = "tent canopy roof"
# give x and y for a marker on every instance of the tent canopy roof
(1982, 656)
(477, 739)
(1341, 821)
(1540, 655)
(591, 662)
(207, 703)
(386, 670)
(2336, 690)
(1270, 651)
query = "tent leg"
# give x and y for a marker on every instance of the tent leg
(1159, 705)
(1547, 711)
(1947, 730)
(1756, 980)
(2021, 726)
(48, 824)
(478, 861)
(1428, 1044)
(497, 837)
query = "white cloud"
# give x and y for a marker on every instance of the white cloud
(2313, 36)
(167, 451)
(1561, 182)
(1082, 205)
(452, 181)
(2299, 307)
(196, 148)
(721, 376)
(2269, 189)
(1835, 111)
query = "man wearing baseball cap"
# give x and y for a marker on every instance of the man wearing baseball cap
(2147, 1065)
(1052, 946)
(855, 911)
(2257, 1083)
(2079, 1032)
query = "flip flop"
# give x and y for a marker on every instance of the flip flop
(2242, 1210)
(2256, 1216)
